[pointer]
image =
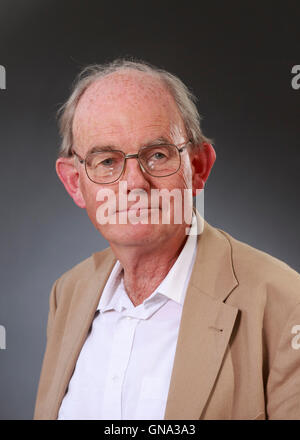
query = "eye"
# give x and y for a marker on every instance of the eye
(103, 162)
(106, 162)
(158, 155)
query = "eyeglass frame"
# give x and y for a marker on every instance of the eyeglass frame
(134, 156)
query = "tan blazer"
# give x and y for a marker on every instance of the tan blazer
(237, 354)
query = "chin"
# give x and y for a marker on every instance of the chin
(134, 234)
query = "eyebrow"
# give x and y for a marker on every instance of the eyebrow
(158, 141)
(98, 149)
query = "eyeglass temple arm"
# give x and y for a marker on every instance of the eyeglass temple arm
(184, 146)
(81, 160)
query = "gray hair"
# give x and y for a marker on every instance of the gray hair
(183, 97)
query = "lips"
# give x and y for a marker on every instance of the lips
(138, 208)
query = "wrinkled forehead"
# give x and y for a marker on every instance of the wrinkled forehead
(134, 96)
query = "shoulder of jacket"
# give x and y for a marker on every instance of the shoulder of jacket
(257, 269)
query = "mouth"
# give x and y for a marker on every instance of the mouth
(140, 208)
(137, 211)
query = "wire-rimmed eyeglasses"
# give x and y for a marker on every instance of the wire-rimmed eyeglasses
(106, 165)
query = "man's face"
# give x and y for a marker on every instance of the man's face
(126, 111)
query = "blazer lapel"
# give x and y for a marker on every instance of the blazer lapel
(205, 328)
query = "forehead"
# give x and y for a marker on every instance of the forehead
(125, 104)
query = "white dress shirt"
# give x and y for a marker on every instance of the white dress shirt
(125, 365)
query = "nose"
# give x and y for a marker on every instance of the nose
(134, 175)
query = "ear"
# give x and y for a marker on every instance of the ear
(69, 175)
(202, 159)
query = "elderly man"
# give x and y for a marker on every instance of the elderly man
(165, 323)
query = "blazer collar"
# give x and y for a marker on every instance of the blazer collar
(213, 272)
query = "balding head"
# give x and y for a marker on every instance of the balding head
(181, 95)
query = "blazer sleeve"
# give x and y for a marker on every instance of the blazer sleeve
(283, 386)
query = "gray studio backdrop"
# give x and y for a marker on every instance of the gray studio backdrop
(236, 58)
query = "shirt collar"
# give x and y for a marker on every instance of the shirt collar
(108, 298)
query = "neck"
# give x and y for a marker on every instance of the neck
(145, 268)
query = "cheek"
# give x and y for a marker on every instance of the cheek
(181, 180)
(97, 195)
(89, 192)
(185, 172)
(184, 179)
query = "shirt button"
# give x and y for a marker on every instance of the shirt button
(128, 317)
(115, 378)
